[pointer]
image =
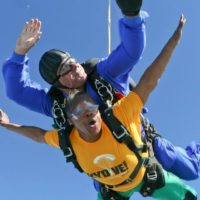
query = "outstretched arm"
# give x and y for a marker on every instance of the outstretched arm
(34, 133)
(117, 66)
(153, 73)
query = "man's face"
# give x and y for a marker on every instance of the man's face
(72, 74)
(87, 119)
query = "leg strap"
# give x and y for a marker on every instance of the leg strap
(109, 194)
(153, 179)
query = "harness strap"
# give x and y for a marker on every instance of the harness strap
(153, 179)
(66, 147)
(149, 129)
(108, 194)
(120, 133)
(150, 134)
(64, 128)
(105, 91)
(142, 161)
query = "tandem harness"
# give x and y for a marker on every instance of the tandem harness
(108, 95)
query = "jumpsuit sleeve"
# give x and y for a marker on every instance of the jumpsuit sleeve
(21, 89)
(117, 66)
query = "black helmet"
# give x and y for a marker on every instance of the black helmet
(49, 63)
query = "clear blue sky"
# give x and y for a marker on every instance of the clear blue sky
(30, 171)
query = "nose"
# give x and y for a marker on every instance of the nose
(74, 66)
(73, 71)
(89, 113)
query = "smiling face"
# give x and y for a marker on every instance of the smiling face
(71, 74)
(86, 118)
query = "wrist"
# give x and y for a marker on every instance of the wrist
(20, 51)
(18, 58)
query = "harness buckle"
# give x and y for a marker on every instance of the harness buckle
(68, 152)
(152, 176)
(120, 132)
(128, 180)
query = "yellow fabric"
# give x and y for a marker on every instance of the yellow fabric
(106, 160)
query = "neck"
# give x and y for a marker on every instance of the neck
(90, 137)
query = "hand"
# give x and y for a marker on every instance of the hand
(129, 7)
(29, 36)
(3, 118)
(178, 32)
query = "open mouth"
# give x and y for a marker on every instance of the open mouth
(92, 123)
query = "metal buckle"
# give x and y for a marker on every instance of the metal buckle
(152, 176)
(103, 90)
(129, 180)
(120, 132)
(68, 153)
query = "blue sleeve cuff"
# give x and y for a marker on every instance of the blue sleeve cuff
(19, 58)
(141, 18)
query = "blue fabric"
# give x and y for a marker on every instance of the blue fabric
(184, 163)
(21, 89)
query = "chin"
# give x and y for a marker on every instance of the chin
(98, 130)
(95, 130)
(80, 83)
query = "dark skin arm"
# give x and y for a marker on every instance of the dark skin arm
(153, 73)
(34, 133)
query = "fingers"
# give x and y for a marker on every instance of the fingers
(33, 26)
(30, 35)
(2, 114)
(182, 22)
(183, 19)
(178, 32)
(4, 119)
(25, 27)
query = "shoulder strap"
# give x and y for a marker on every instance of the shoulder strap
(90, 64)
(64, 128)
(121, 134)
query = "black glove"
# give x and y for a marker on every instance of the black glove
(129, 7)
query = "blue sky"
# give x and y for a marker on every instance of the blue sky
(33, 171)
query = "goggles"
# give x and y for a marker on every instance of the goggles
(64, 68)
(80, 111)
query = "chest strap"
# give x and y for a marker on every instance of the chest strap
(141, 162)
